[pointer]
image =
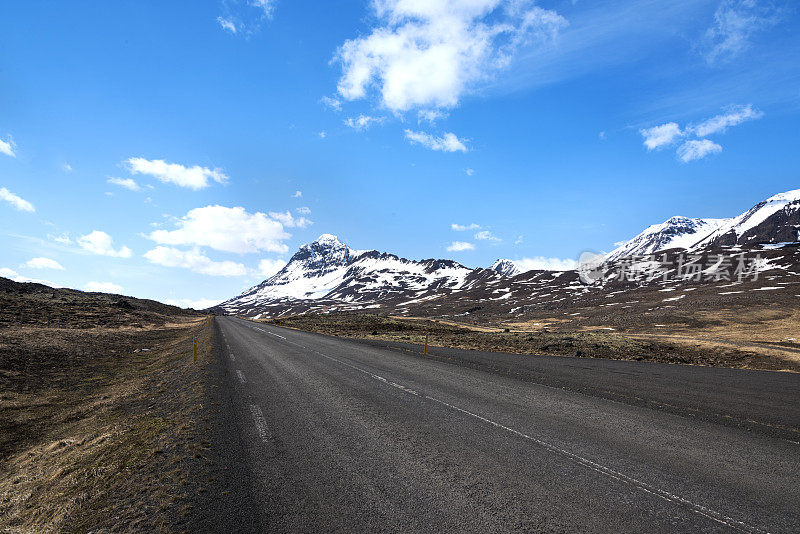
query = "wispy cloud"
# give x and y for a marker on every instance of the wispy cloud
(7, 147)
(127, 183)
(11, 274)
(735, 23)
(297, 194)
(194, 260)
(332, 103)
(227, 24)
(362, 122)
(194, 177)
(660, 136)
(289, 221)
(449, 142)
(102, 244)
(459, 246)
(196, 304)
(44, 263)
(16, 201)
(267, 267)
(720, 123)
(486, 235)
(245, 17)
(541, 263)
(669, 133)
(697, 149)
(104, 287)
(464, 227)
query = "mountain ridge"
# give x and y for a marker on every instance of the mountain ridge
(327, 274)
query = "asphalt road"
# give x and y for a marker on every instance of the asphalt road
(344, 436)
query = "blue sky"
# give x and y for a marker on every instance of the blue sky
(157, 149)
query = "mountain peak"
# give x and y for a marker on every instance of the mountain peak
(675, 232)
(505, 267)
(327, 239)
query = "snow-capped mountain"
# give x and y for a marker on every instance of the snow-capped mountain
(330, 271)
(676, 232)
(774, 220)
(327, 275)
(505, 268)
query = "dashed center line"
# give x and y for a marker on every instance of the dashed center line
(260, 422)
(240, 374)
(585, 462)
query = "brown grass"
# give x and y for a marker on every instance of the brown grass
(93, 435)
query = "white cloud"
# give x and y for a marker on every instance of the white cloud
(362, 122)
(227, 24)
(323, 134)
(449, 142)
(458, 246)
(693, 149)
(44, 263)
(66, 167)
(427, 54)
(519, 240)
(63, 239)
(245, 17)
(464, 227)
(735, 22)
(719, 123)
(11, 274)
(127, 183)
(102, 244)
(269, 267)
(103, 287)
(297, 194)
(430, 115)
(661, 136)
(199, 304)
(289, 221)
(469, 172)
(267, 6)
(16, 201)
(486, 235)
(194, 260)
(332, 103)
(540, 263)
(7, 147)
(303, 210)
(194, 177)
(697, 149)
(226, 229)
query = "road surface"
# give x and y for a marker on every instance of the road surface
(344, 436)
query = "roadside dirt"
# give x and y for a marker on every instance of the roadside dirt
(544, 337)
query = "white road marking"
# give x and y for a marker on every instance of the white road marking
(260, 422)
(599, 468)
(233, 359)
(241, 376)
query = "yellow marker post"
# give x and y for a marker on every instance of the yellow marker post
(426, 344)
(194, 349)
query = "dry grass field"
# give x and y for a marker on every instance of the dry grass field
(98, 421)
